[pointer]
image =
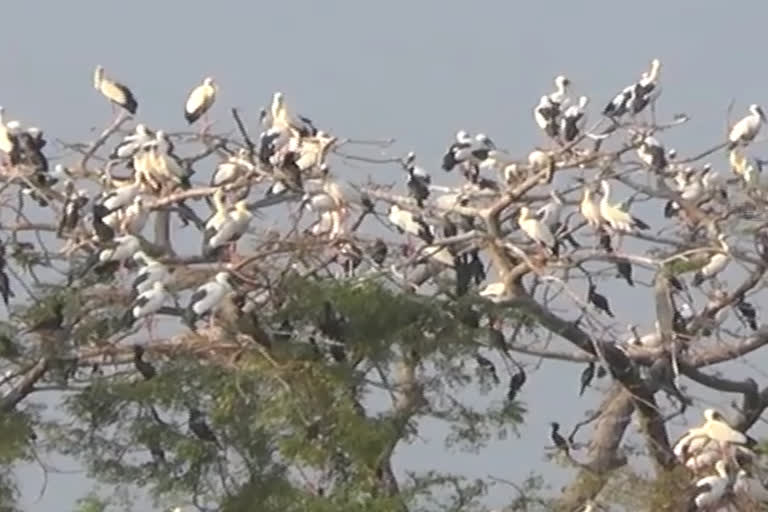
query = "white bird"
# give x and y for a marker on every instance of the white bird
(561, 89)
(122, 196)
(650, 340)
(219, 216)
(233, 227)
(550, 213)
(536, 231)
(232, 169)
(643, 92)
(152, 272)
(546, 116)
(750, 487)
(716, 264)
(652, 153)
(208, 296)
(717, 429)
(691, 190)
(495, 292)
(125, 247)
(589, 210)
(710, 489)
(615, 216)
(114, 91)
(165, 163)
(572, 121)
(200, 100)
(689, 445)
(407, 222)
(747, 128)
(147, 303)
(458, 152)
(134, 217)
(133, 142)
(7, 138)
(634, 98)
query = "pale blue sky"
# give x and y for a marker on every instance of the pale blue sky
(417, 71)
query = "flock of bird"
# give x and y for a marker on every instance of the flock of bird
(290, 159)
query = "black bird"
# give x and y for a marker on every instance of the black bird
(457, 153)
(157, 453)
(5, 287)
(103, 232)
(624, 268)
(463, 275)
(487, 366)
(331, 322)
(450, 229)
(379, 251)
(558, 440)
(586, 377)
(598, 300)
(605, 241)
(50, 323)
(418, 180)
(746, 309)
(476, 267)
(200, 428)
(143, 367)
(496, 338)
(516, 383)
(468, 316)
(71, 211)
(675, 283)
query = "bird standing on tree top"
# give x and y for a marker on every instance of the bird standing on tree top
(200, 100)
(114, 91)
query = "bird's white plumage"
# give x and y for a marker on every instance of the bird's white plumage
(405, 220)
(589, 210)
(150, 301)
(536, 230)
(125, 248)
(712, 488)
(209, 295)
(613, 214)
(747, 127)
(200, 100)
(232, 227)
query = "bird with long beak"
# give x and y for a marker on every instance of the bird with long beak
(536, 230)
(746, 129)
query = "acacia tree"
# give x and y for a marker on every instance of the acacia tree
(342, 333)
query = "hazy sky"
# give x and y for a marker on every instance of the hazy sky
(417, 71)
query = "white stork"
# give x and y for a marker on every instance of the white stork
(744, 131)
(147, 303)
(572, 121)
(407, 222)
(125, 248)
(536, 231)
(615, 216)
(134, 217)
(151, 272)
(114, 91)
(710, 489)
(589, 210)
(208, 296)
(200, 100)
(716, 264)
(232, 228)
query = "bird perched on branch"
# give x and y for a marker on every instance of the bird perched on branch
(200, 100)
(716, 263)
(115, 92)
(747, 128)
(634, 98)
(615, 216)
